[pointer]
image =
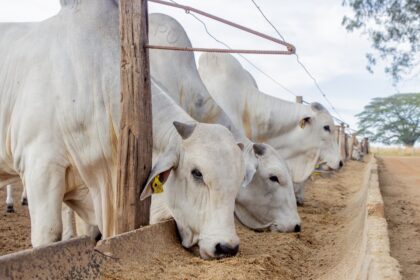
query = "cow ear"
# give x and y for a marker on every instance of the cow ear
(317, 107)
(259, 149)
(305, 121)
(251, 165)
(160, 173)
(249, 175)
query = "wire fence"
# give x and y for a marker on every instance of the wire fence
(291, 50)
(301, 64)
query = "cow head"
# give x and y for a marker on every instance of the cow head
(319, 130)
(201, 178)
(357, 153)
(324, 127)
(268, 201)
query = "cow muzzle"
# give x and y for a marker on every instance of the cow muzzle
(217, 250)
(225, 250)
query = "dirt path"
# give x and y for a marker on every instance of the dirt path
(14, 227)
(400, 186)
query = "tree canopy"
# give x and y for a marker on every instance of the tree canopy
(393, 27)
(392, 120)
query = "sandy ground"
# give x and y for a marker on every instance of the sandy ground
(15, 229)
(400, 186)
(327, 221)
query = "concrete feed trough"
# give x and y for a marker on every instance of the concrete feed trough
(344, 237)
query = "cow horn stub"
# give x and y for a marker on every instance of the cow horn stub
(184, 129)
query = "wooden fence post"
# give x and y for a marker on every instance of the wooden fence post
(348, 146)
(342, 142)
(366, 145)
(361, 147)
(135, 142)
(337, 133)
(352, 143)
(299, 99)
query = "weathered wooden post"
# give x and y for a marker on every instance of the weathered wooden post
(366, 145)
(135, 143)
(361, 146)
(348, 146)
(352, 144)
(299, 99)
(337, 133)
(342, 142)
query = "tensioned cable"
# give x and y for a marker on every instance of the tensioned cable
(242, 56)
(300, 63)
(290, 48)
(188, 10)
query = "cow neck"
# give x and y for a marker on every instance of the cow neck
(165, 112)
(272, 116)
(195, 99)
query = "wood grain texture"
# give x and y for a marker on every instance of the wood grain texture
(342, 143)
(365, 146)
(135, 143)
(351, 146)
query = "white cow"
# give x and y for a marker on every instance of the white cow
(10, 201)
(59, 129)
(302, 134)
(267, 200)
(357, 153)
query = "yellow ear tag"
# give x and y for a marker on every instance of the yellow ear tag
(302, 123)
(157, 185)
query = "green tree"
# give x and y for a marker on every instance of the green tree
(392, 120)
(393, 27)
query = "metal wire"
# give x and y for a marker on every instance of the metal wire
(188, 10)
(290, 48)
(213, 50)
(301, 64)
(242, 56)
(246, 59)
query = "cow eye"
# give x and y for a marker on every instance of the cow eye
(274, 179)
(327, 128)
(197, 174)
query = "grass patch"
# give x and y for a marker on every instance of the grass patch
(396, 151)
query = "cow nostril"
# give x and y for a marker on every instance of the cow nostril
(297, 228)
(341, 163)
(226, 250)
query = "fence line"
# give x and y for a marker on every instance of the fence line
(242, 56)
(301, 63)
(290, 48)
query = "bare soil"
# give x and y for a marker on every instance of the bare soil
(327, 229)
(322, 246)
(15, 229)
(399, 179)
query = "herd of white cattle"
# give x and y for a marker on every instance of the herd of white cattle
(222, 149)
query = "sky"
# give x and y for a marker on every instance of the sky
(335, 57)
